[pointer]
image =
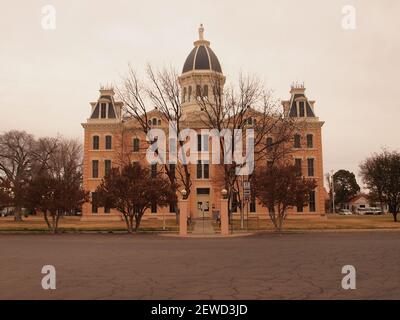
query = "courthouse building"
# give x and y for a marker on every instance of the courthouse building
(108, 133)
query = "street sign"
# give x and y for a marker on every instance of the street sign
(246, 190)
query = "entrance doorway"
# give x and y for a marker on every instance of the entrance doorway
(203, 202)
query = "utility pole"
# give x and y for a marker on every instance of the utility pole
(333, 192)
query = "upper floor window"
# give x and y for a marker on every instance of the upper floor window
(198, 91)
(297, 141)
(251, 121)
(297, 163)
(205, 91)
(189, 93)
(202, 142)
(153, 170)
(310, 163)
(155, 122)
(270, 142)
(107, 167)
(301, 109)
(135, 145)
(310, 142)
(103, 110)
(108, 142)
(96, 143)
(172, 168)
(203, 170)
(184, 94)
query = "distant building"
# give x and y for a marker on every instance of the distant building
(107, 133)
(360, 201)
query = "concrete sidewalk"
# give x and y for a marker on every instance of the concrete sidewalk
(203, 227)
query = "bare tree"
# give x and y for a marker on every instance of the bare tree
(247, 106)
(280, 187)
(5, 194)
(159, 92)
(15, 165)
(56, 185)
(132, 190)
(381, 174)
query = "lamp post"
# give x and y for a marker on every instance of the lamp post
(224, 193)
(184, 197)
(333, 191)
(184, 194)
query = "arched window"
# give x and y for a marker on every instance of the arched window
(301, 109)
(269, 143)
(135, 145)
(250, 121)
(310, 142)
(297, 141)
(159, 122)
(103, 110)
(108, 142)
(154, 121)
(190, 93)
(198, 91)
(96, 142)
(184, 95)
(205, 91)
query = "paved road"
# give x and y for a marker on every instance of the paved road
(268, 266)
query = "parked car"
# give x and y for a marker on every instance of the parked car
(362, 211)
(375, 210)
(345, 212)
(6, 213)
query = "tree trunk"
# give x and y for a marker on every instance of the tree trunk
(53, 223)
(128, 227)
(18, 214)
(46, 219)
(57, 220)
(395, 216)
(138, 218)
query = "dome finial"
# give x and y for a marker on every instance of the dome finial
(201, 32)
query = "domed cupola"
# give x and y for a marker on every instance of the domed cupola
(201, 58)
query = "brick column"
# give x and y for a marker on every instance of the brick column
(183, 214)
(224, 217)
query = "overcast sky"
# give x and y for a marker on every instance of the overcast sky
(48, 77)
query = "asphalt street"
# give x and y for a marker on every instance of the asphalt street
(263, 266)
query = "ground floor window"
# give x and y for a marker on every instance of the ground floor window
(235, 202)
(312, 201)
(107, 209)
(154, 207)
(94, 202)
(253, 203)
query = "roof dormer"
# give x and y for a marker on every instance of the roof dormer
(299, 106)
(106, 108)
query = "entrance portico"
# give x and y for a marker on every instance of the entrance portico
(202, 202)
